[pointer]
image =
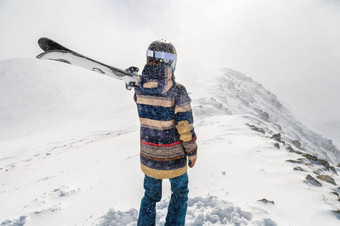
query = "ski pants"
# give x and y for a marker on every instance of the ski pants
(153, 193)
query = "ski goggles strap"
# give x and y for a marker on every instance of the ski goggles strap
(161, 55)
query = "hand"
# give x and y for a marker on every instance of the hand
(192, 163)
(132, 69)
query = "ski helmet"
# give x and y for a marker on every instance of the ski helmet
(163, 52)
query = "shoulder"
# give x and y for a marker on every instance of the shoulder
(179, 87)
(182, 95)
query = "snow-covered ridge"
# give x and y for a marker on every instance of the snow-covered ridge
(235, 93)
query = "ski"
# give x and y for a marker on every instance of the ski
(55, 51)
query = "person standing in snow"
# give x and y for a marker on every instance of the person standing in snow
(167, 134)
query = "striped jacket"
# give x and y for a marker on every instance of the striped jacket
(167, 133)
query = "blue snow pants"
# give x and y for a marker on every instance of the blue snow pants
(153, 193)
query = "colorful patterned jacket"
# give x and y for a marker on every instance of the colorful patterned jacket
(167, 132)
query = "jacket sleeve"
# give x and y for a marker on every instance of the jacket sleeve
(184, 122)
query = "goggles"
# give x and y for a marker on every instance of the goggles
(161, 55)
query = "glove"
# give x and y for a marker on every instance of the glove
(192, 162)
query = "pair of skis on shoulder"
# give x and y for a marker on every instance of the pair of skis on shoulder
(54, 51)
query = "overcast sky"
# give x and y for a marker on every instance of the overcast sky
(291, 47)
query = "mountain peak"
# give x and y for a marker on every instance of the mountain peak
(235, 93)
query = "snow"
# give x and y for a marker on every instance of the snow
(69, 153)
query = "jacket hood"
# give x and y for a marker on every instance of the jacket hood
(156, 79)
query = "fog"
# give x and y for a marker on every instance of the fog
(291, 47)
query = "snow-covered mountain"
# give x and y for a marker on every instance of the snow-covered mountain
(69, 153)
(235, 93)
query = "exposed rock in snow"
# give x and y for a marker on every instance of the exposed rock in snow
(311, 180)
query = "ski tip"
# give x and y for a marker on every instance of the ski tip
(47, 44)
(44, 43)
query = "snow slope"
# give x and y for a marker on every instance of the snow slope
(69, 153)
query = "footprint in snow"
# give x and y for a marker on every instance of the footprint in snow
(201, 211)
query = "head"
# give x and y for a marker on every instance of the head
(162, 52)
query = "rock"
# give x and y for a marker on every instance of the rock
(299, 161)
(277, 145)
(257, 129)
(327, 179)
(269, 222)
(322, 162)
(278, 126)
(20, 221)
(298, 168)
(337, 213)
(290, 149)
(276, 137)
(265, 116)
(317, 172)
(327, 165)
(311, 180)
(310, 157)
(297, 144)
(265, 201)
(337, 195)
